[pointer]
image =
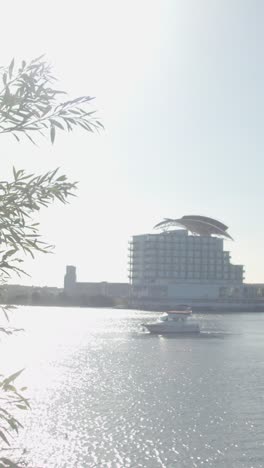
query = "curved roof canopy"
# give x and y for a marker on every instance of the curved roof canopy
(200, 225)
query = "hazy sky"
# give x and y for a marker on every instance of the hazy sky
(179, 88)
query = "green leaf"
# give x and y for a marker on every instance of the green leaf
(10, 69)
(14, 424)
(8, 463)
(4, 309)
(100, 124)
(57, 124)
(46, 111)
(22, 407)
(3, 436)
(37, 59)
(12, 377)
(16, 137)
(31, 139)
(52, 133)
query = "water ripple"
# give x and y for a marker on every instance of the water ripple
(104, 394)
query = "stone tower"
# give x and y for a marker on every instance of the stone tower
(70, 279)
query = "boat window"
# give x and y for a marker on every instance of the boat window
(164, 318)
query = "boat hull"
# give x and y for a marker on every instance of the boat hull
(160, 328)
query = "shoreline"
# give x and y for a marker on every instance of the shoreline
(195, 309)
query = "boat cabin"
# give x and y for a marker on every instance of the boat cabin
(176, 315)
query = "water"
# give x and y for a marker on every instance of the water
(106, 394)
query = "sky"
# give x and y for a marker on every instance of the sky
(179, 89)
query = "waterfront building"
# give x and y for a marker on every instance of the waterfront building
(86, 290)
(186, 263)
(183, 265)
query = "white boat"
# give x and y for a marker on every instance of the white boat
(174, 321)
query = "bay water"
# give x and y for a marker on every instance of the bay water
(105, 393)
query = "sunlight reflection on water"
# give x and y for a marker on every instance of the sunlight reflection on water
(104, 393)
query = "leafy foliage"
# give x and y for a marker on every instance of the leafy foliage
(29, 106)
(19, 200)
(11, 399)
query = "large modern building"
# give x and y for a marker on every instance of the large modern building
(184, 265)
(186, 262)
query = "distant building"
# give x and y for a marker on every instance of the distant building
(175, 266)
(184, 265)
(70, 278)
(90, 289)
(29, 295)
